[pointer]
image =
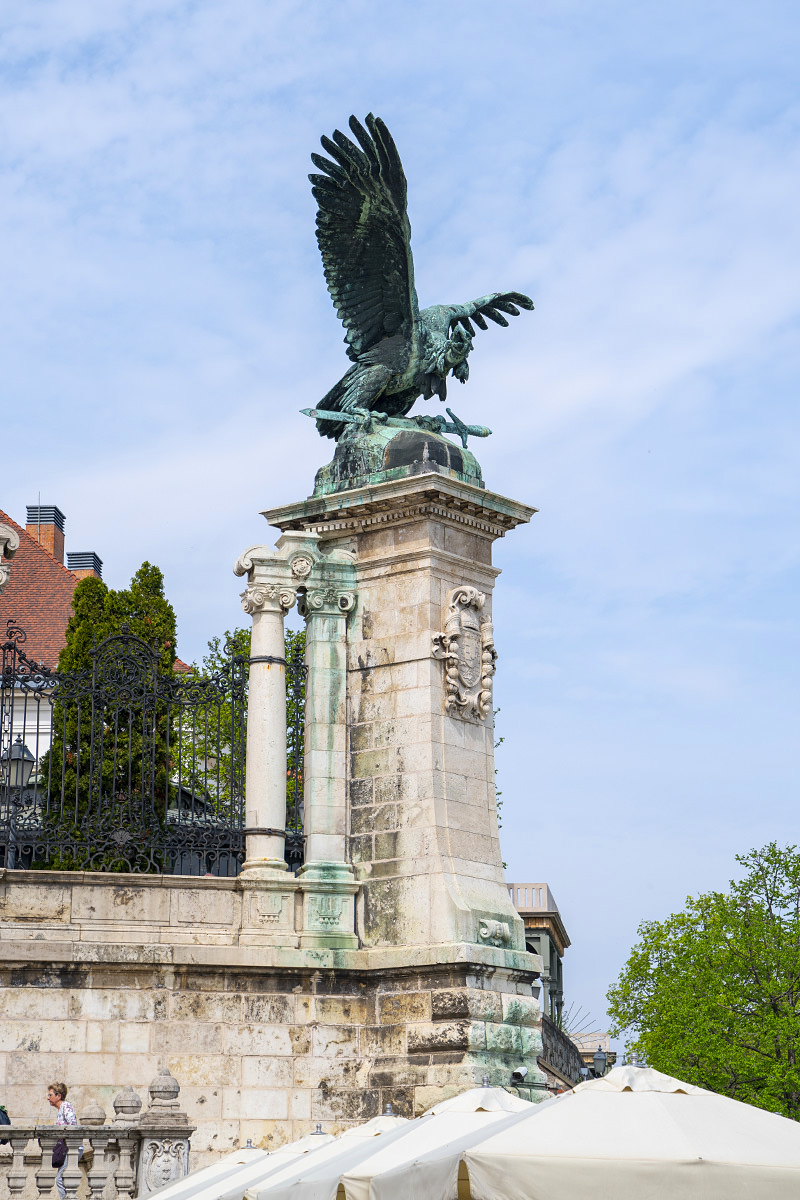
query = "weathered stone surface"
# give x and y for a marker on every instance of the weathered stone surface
(521, 1010)
(422, 814)
(445, 1035)
(383, 1039)
(265, 1041)
(405, 1007)
(466, 1002)
(345, 1105)
(274, 1010)
(504, 1039)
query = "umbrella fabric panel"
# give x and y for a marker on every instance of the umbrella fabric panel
(640, 1079)
(651, 1125)
(355, 1166)
(488, 1099)
(234, 1186)
(321, 1177)
(590, 1179)
(434, 1175)
(227, 1167)
(430, 1133)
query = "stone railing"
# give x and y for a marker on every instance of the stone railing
(132, 1156)
(559, 1052)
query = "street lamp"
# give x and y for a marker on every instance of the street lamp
(17, 764)
(599, 1061)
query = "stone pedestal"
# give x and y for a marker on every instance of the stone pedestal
(422, 819)
(164, 1133)
(393, 967)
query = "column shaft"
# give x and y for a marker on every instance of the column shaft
(266, 741)
(325, 771)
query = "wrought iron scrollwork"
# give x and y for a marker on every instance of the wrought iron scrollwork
(131, 768)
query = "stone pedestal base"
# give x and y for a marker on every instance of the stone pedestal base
(328, 892)
(421, 817)
(268, 904)
(108, 978)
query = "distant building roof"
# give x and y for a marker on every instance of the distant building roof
(536, 905)
(37, 597)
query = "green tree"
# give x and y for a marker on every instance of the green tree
(712, 994)
(209, 749)
(98, 612)
(108, 765)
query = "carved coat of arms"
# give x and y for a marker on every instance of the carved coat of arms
(162, 1162)
(467, 648)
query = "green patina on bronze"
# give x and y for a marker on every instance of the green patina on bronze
(399, 352)
(386, 452)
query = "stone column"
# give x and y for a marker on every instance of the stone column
(326, 879)
(265, 793)
(273, 575)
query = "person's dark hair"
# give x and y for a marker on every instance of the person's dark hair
(60, 1089)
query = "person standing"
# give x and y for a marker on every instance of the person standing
(57, 1098)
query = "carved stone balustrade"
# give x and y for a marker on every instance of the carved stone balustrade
(131, 1156)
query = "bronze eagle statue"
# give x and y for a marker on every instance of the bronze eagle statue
(399, 352)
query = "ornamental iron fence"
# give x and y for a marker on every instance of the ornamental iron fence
(124, 766)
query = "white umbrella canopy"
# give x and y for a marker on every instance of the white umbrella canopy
(236, 1171)
(448, 1127)
(350, 1146)
(641, 1135)
(482, 1099)
(224, 1167)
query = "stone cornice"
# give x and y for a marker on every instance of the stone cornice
(55, 949)
(413, 558)
(401, 500)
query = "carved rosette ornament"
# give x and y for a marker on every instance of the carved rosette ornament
(267, 596)
(302, 566)
(467, 649)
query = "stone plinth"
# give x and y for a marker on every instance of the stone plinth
(422, 816)
(106, 979)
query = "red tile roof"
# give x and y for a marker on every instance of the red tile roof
(38, 596)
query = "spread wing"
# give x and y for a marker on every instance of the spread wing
(492, 307)
(365, 236)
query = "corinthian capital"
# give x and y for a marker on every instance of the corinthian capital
(268, 597)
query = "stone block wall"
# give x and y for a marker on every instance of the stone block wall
(261, 1054)
(265, 1042)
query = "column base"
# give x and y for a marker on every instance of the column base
(271, 868)
(268, 904)
(328, 891)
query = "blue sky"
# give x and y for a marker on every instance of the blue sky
(632, 166)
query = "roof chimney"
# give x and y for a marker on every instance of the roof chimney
(45, 524)
(84, 562)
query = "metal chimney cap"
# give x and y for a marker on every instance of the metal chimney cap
(45, 514)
